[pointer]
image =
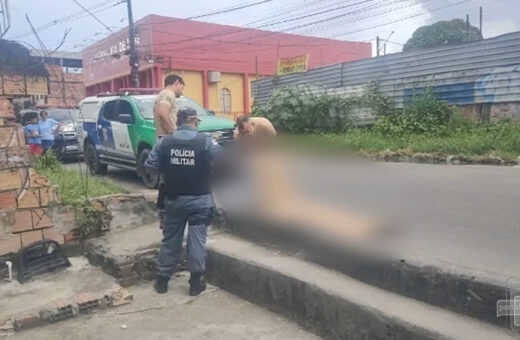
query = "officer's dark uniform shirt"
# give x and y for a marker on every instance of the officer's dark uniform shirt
(184, 159)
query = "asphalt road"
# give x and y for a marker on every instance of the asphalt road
(464, 215)
(127, 179)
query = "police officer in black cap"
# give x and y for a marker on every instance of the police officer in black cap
(184, 159)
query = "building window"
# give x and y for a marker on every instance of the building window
(225, 100)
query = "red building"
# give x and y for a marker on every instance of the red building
(217, 62)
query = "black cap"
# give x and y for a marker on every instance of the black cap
(186, 114)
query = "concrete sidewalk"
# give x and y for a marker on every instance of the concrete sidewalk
(79, 278)
(213, 315)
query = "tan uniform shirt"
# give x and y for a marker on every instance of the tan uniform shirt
(262, 127)
(167, 97)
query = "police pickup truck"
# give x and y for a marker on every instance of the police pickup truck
(118, 130)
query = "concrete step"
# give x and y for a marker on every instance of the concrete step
(464, 290)
(329, 303)
(80, 289)
(176, 315)
(130, 255)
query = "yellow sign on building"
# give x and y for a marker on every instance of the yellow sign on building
(292, 65)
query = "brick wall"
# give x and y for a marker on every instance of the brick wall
(6, 108)
(24, 195)
(73, 87)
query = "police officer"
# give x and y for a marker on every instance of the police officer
(184, 159)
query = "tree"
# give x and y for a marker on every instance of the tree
(16, 59)
(442, 33)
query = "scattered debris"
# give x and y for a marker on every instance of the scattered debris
(6, 328)
(62, 309)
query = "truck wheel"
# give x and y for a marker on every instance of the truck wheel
(151, 181)
(93, 163)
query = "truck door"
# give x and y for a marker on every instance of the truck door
(104, 128)
(123, 121)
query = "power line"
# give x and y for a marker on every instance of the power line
(403, 19)
(227, 10)
(312, 23)
(92, 15)
(325, 19)
(232, 9)
(235, 30)
(71, 17)
(295, 11)
(316, 13)
(379, 11)
(265, 34)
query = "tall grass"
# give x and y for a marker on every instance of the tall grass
(501, 139)
(74, 187)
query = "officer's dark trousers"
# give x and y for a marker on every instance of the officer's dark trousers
(197, 212)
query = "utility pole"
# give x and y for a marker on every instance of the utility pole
(256, 71)
(5, 25)
(63, 95)
(134, 59)
(377, 46)
(38, 39)
(277, 58)
(480, 17)
(386, 40)
(468, 31)
(256, 67)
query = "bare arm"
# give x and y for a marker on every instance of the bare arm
(163, 112)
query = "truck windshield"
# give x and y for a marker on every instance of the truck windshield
(145, 106)
(63, 115)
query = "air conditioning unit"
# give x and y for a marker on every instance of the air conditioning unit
(213, 76)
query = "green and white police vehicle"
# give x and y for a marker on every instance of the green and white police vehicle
(118, 130)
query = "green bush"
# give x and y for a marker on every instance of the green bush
(297, 110)
(47, 162)
(425, 114)
(425, 125)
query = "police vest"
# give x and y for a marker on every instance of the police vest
(184, 165)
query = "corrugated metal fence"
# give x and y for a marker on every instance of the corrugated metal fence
(487, 71)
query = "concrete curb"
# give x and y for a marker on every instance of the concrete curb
(432, 158)
(331, 304)
(313, 308)
(456, 288)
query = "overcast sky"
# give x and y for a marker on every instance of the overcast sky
(358, 20)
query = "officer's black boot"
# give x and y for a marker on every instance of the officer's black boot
(161, 284)
(197, 284)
